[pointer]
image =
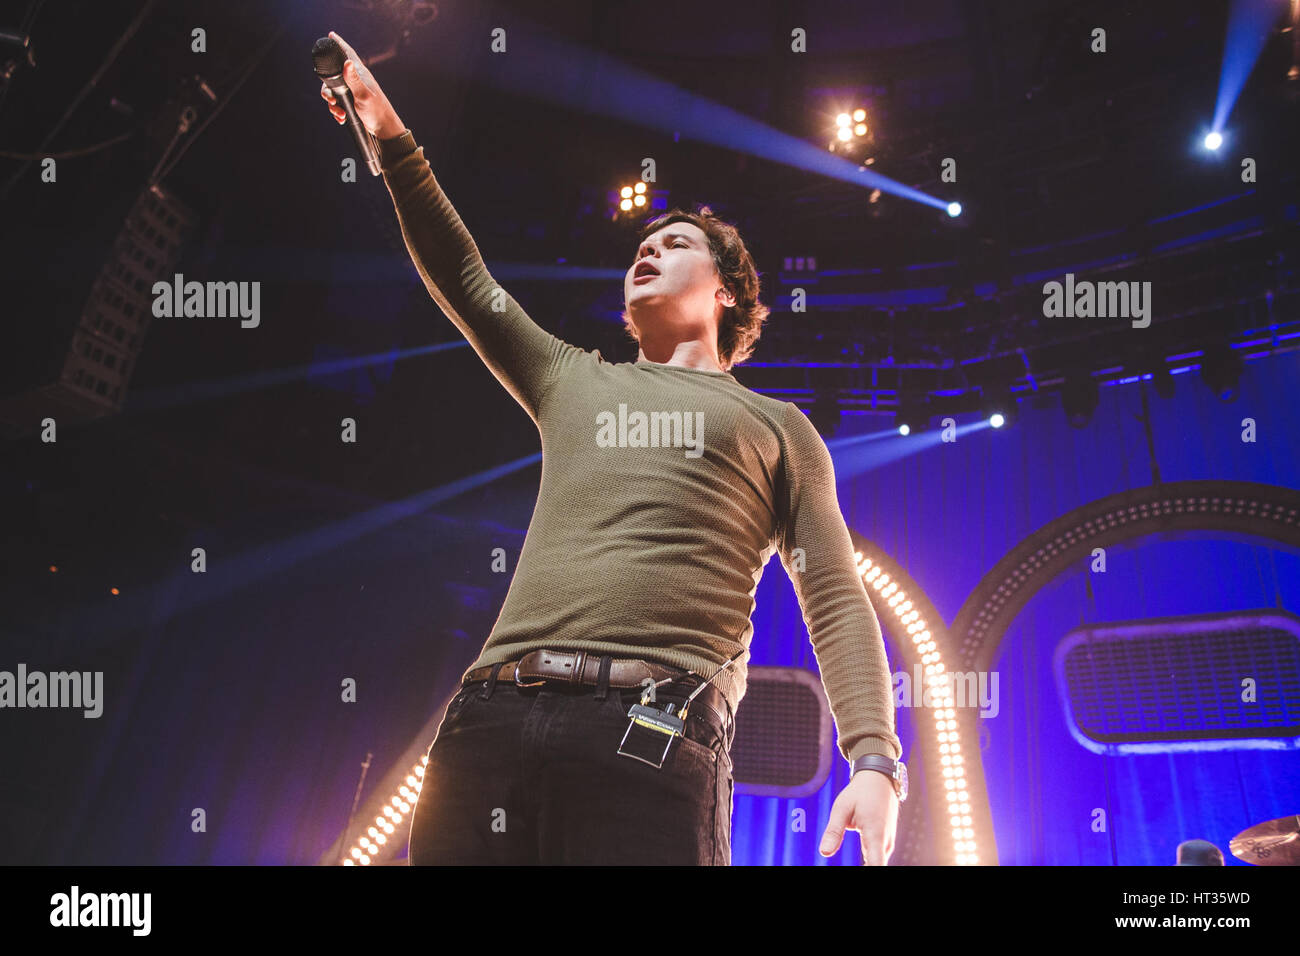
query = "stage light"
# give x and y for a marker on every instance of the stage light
(1213, 141)
(113, 591)
(633, 196)
(1079, 397)
(912, 416)
(999, 407)
(1221, 372)
(54, 569)
(954, 209)
(854, 136)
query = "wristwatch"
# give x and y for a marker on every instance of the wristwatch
(895, 770)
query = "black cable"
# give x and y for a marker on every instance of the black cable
(257, 58)
(70, 153)
(85, 91)
(28, 22)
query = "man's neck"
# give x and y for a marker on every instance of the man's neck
(693, 354)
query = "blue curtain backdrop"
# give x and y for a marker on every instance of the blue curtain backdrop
(232, 705)
(950, 512)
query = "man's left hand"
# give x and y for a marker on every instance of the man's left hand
(870, 806)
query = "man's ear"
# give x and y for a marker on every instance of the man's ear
(726, 297)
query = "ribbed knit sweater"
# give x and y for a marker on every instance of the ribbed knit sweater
(664, 492)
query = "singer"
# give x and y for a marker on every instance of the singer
(640, 562)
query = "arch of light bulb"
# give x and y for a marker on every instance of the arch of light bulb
(399, 806)
(910, 622)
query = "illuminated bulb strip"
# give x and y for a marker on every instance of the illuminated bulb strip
(376, 836)
(945, 722)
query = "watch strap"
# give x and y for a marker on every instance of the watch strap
(882, 764)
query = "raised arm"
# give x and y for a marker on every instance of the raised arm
(522, 355)
(842, 624)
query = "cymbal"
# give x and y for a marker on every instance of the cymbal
(1271, 843)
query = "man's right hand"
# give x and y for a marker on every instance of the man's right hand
(373, 108)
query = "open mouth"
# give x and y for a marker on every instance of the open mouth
(644, 270)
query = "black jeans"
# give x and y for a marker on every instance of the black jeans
(531, 775)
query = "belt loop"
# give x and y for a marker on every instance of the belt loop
(490, 684)
(602, 679)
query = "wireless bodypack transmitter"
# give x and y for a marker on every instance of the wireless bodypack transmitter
(651, 731)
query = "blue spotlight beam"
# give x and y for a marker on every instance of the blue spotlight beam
(857, 454)
(176, 395)
(1249, 22)
(261, 562)
(589, 81)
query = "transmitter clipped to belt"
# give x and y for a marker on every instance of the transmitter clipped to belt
(651, 730)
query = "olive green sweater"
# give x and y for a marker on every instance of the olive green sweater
(664, 492)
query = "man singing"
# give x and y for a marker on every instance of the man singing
(666, 487)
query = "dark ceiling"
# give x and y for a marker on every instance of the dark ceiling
(1066, 158)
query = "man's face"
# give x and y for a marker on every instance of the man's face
(679, 278)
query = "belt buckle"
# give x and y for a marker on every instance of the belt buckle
(517, 684)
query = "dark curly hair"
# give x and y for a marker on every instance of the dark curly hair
(742, 323)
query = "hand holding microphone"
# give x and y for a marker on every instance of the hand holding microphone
(354, 97)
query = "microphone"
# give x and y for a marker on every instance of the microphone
(327, 57)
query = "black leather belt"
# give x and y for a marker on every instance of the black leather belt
(583, 668)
